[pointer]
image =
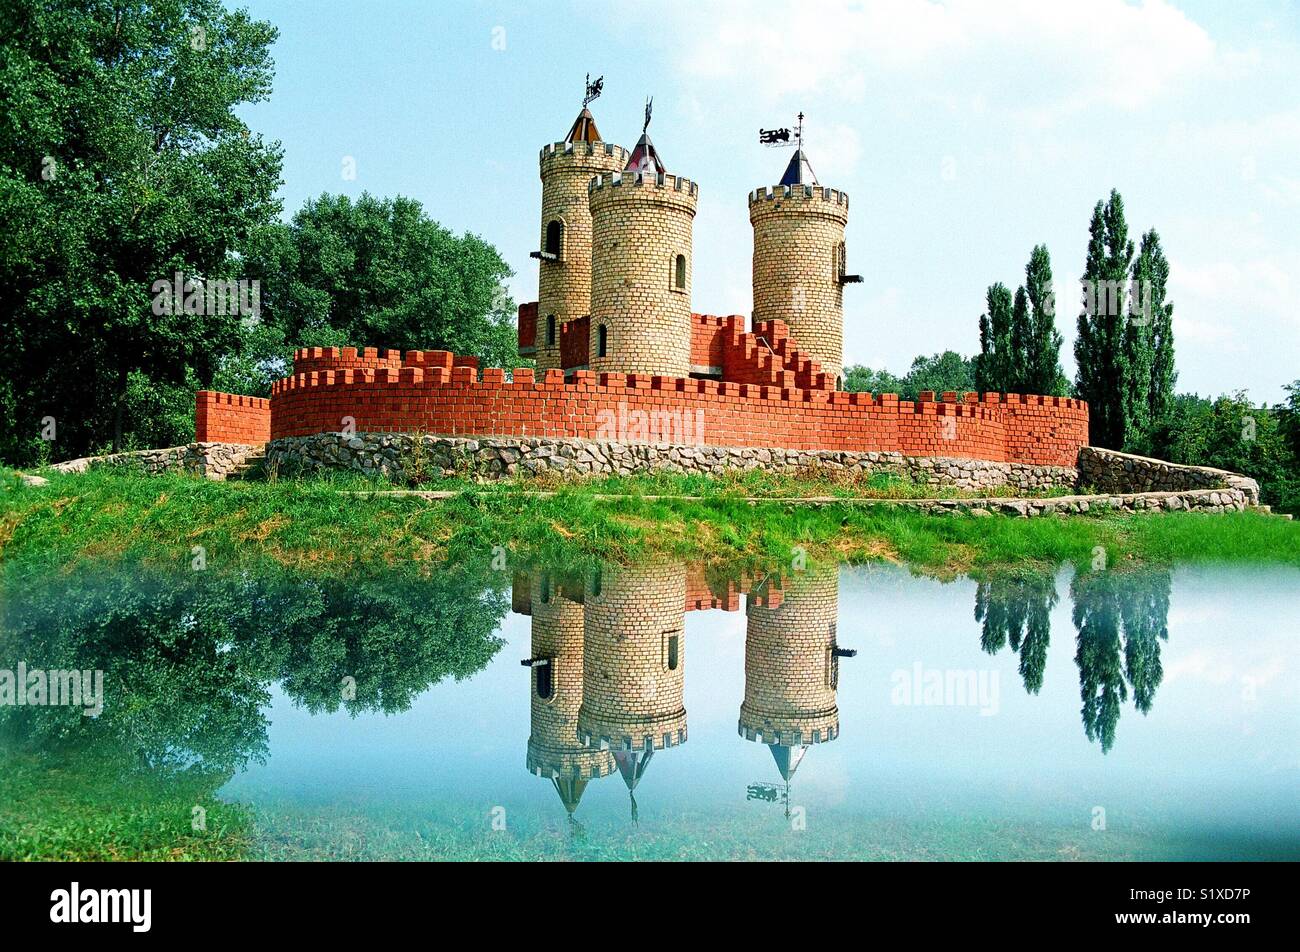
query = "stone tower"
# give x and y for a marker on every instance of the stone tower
(633, 664)
(564, 275)
(641, 267)
(554, 750)
(800, 261)
(792, 668)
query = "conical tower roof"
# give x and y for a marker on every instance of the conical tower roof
(645, 158)
(787, 759)
(570, 790)
(799, 171)
(584, 128)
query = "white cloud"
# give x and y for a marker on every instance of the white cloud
(1042, 60)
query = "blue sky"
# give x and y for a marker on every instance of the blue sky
(964, 132)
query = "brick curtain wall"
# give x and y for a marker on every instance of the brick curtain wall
(231, 418)
(436, 398)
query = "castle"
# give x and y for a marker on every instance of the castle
(609, 658)
(613, 334)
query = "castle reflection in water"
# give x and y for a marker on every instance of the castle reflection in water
(608, 663)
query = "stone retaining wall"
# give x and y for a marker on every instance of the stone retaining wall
(210, 460)
(1201, 500)
(400, 457)
(1108, 471)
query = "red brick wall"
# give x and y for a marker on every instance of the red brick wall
(453, 401)
(231, 418)
(575, 342)
(527, 328)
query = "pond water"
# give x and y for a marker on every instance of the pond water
(669, 711)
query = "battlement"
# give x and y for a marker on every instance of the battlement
(805, 201)
(663, 181)
(308, 360)
(231, 418)
(607, 152)
(798, 193)
(438, 395)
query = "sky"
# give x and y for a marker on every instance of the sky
(964, 132)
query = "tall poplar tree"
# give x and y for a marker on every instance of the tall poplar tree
(1103, 349)
(993, 366)
(1043, 372)
(1151, 275)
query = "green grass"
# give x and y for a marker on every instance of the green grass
(322, 524)
(87, 809)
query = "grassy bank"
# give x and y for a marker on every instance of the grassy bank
(89, 809)
(322, 524)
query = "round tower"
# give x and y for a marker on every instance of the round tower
(800, 261)
(634, 658)
(641, 270)
(554, 750)
(564, 272)
(792, 668)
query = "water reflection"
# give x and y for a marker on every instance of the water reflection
(188, 658)
(608, 664)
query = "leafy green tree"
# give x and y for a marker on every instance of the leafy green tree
(995, 365)
(381, 273)
(1120, 619)
(1100, 349)
(123, 162)
(938, 372)
(1288, 418)
(1151, 277)
(1016, 609)
(1230, 433)
(1042, 372)
(1124, 349)
(860, 379)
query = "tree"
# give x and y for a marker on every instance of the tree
(1104, 347)
(1043, 372)
(995, 365)
(381, 273)
(860, 379)
(939, 372)
(122, 164)
(949, 371)
(1151, 278)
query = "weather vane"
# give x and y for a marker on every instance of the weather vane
(593, 90)
(649, 105)
(780, 138)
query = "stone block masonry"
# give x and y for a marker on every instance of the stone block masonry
(397, 456)
(798, 262)
(640, 297)
(1108, 471)
(207, 459)
(564, 282)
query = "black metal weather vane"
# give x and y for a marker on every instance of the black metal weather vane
(594, 89)
(649, 107)
(780, 138)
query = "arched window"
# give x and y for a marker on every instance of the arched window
(545, 683)
(554, 237)
(672, 649)
(602, 341)
(594, 588)
(550, 330)
(545, 588)
(839, 262)
(679, 272)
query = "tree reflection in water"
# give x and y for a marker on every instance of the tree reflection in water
(1120, 620)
